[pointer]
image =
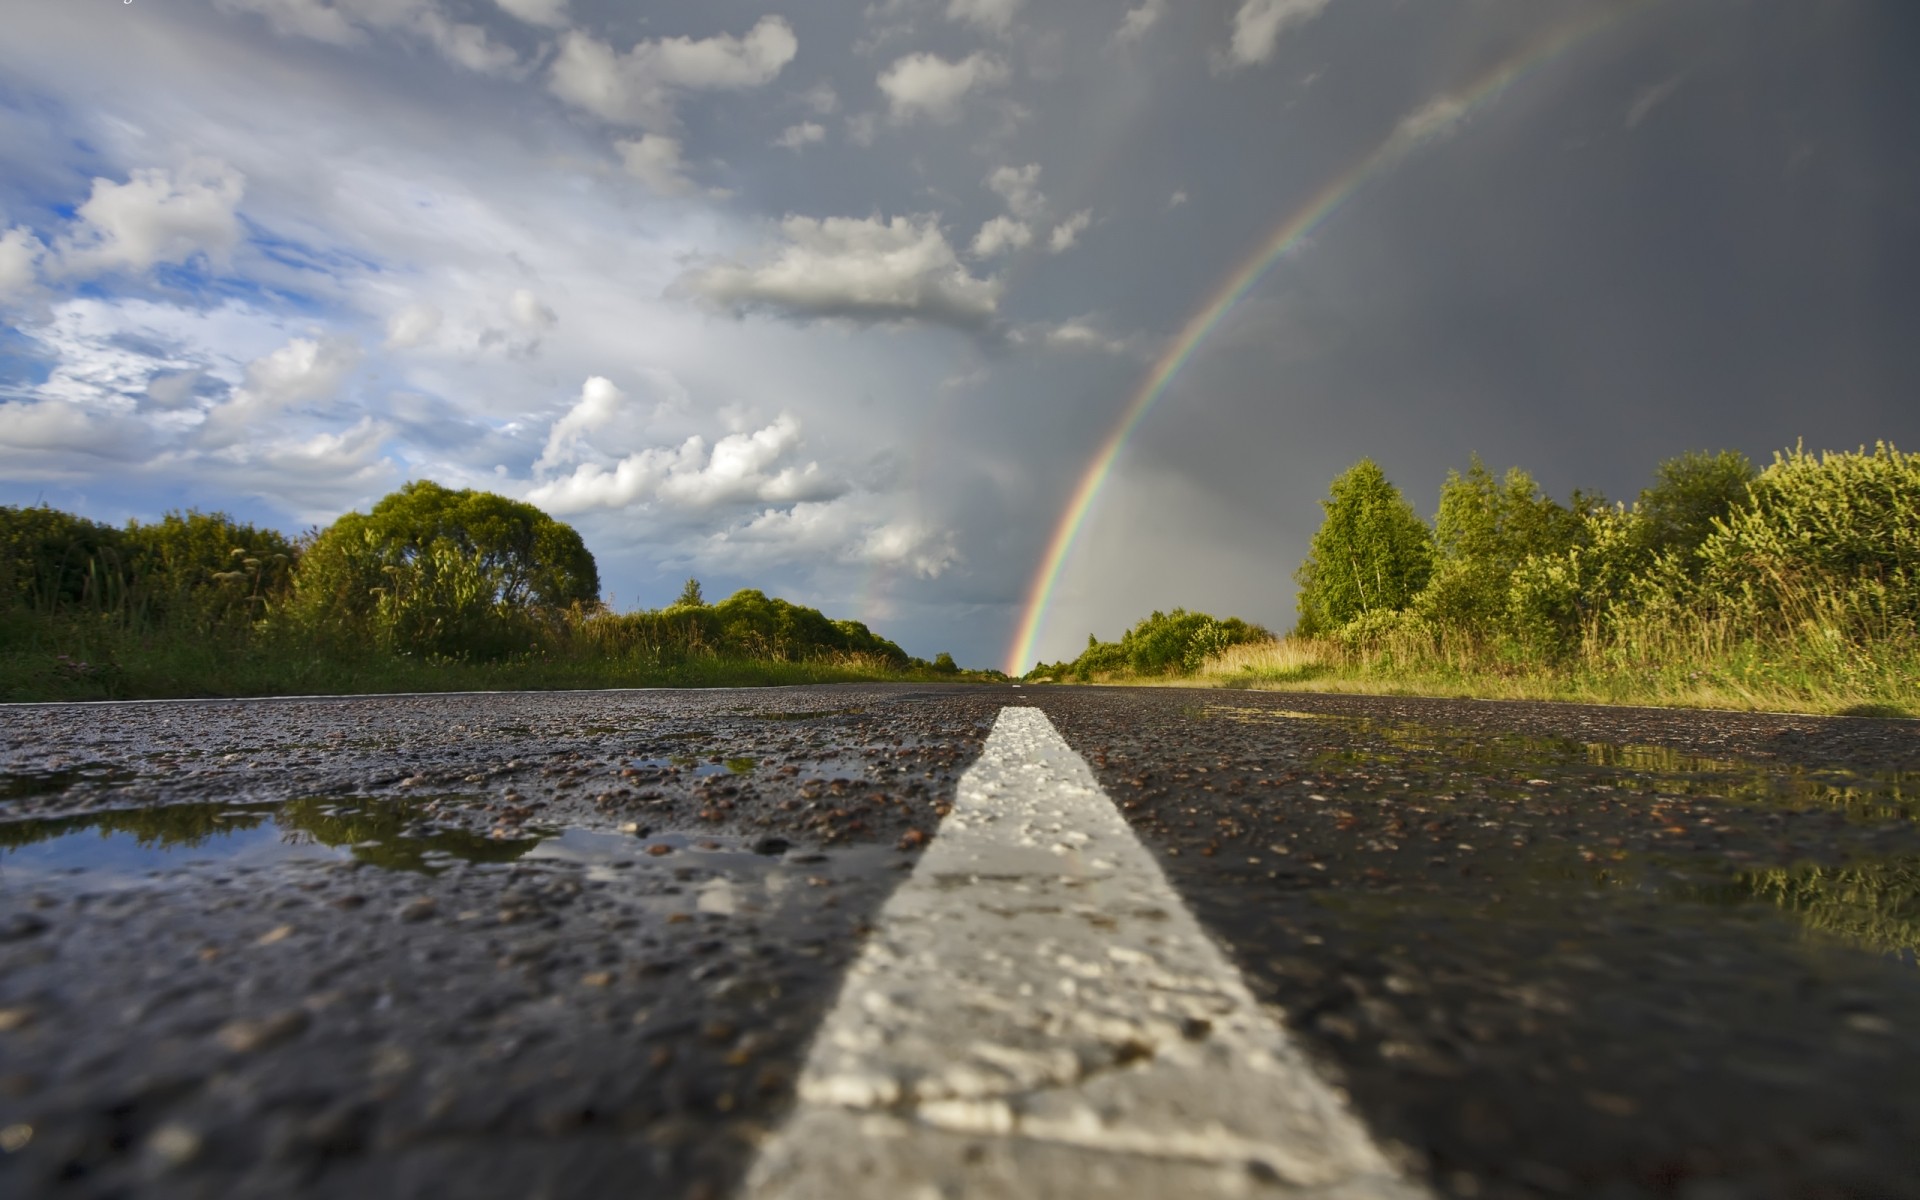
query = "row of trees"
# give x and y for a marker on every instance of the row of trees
(429, 572)
(1503, 567)
(1164, 643)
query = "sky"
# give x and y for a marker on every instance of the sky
(848, 302)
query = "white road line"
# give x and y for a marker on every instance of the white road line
(1038, 1014)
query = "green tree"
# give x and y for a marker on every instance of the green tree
(1485, 530)
(944, 664)
(435, 571)
(690, 596)
(1372, 552)
(1690, 493)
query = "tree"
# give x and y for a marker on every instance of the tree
(1484, 531)
(1372, 552)
(690, 596)
(944, 664)
(1689, 494)
(437, 571)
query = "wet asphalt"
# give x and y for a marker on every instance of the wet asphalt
(574, 944)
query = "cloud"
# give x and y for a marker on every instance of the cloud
(549, 13)
(743, 467)
(300, 18)
(1019, 187)
(1258, 24)
(1138, 21)
(157, 216)
(991, 15)
(44, 437)
(926, 85)
(1435, 118)
(654, 159)
(847, 530)
(862, 128)
(1177, 199)
(807, 133)
(1001, 234)
(301, 372)
(1649, 98)
(869, 270)
(20, 253)
(1067, 232)
(600, 404)
(821, 99)
(411, 326)
(529, 313)
(636, 88)
(1081, 334)
(343, 22)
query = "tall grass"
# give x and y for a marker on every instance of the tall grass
(1826, 647)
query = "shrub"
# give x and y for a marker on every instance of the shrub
(438, 572)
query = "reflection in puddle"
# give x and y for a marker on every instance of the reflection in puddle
(130, 844)
(676, 874)
(1873, 905)
(1871, 796)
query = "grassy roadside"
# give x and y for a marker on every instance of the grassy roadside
(1751, 679)
(112, 663)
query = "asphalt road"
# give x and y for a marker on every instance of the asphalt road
(577, 943)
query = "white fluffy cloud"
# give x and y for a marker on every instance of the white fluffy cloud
(654, 159)
(807, 133)
(740, 468)
(992, 15)
(1258, 24)
(1067, 232)
(1137, 21)
(1433, 119)
(600, 405)
(851, 530)
(343, 23)
(1000, 235)
(549, 13)
(301, 372)
(636, 88)
(1020, 188)
(529, 313)
(412, 326)
(157, 216)
(20, 253)
(926, 85)
(1082, 334)
(869, 270)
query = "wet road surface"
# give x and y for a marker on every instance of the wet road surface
(574, 943)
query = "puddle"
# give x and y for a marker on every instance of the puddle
(125, 847)
(1867, 797)
(693, 872)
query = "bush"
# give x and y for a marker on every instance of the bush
(436, 572)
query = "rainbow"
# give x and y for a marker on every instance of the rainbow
(1423, 126)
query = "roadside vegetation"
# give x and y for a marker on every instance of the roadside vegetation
(1796, 587)
(431, 590)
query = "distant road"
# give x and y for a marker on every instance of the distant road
(996, 941)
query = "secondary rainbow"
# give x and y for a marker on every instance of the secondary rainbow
(1435, 119)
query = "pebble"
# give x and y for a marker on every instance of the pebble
(247, 1037)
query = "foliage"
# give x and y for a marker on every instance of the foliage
(1163, 643)
(1792, 589)
(943, 664)
(436, 572)
(1372, 552)
(432, 590)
